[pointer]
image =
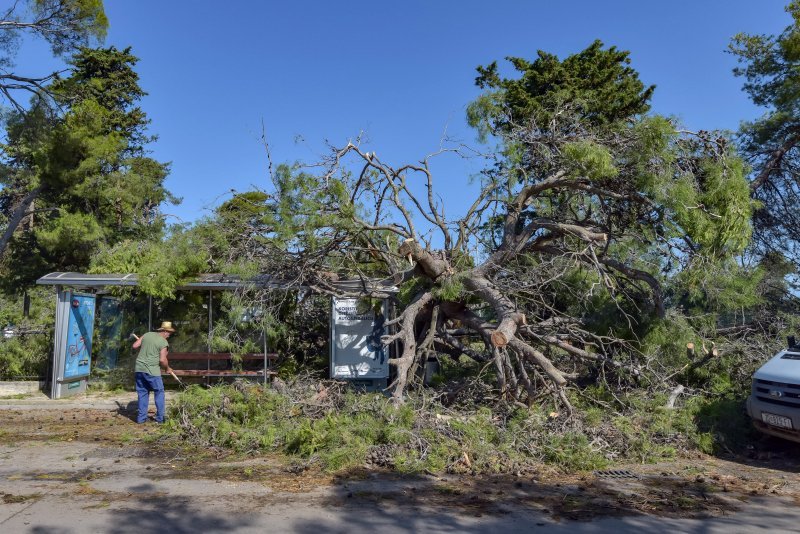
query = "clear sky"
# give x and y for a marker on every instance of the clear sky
(402, 72)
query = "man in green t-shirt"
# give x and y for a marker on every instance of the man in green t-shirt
(153, 348)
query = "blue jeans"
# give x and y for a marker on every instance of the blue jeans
(145, 383)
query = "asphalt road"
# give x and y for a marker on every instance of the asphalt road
(189, 506)
(96, 471)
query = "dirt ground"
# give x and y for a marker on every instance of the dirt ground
(78, 465)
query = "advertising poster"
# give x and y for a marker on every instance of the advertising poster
(80, 326)
(357, 351)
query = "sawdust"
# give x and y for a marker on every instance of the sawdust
(276, 477)
(10, 498)
(100, 426)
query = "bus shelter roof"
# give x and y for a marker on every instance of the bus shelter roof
(220, 282)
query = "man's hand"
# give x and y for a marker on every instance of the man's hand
(169, 370)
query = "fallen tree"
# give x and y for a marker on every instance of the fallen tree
(591, 222)
(583, 212)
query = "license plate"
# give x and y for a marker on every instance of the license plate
(776, 420)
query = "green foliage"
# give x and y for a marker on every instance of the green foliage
(70, 22)
(75, 236)
(64, 24)
(729, 374)
(440, 452)
(573, 452)
(84, 170)
(675, 207)
(598, 82)
(722, 425)
(166, 264)
(712, 204)
(646, 430)
(770, 67)
(717, 288)
(103, 94)
(161, 266)
(25, 355)
(450, 288)
(295, 217)
(666, 340)
(589, 159)
(649, 432)
(247, 417)
(351, 427)
(250, 234)
(410, 289)
(770, 77)
(700, 183)
(124, 257)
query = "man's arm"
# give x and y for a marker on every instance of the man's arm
(162, 359)
(137, 343)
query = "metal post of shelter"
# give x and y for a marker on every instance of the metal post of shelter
(56, 350)
(210, 324)
(264, 335)
(210, 317)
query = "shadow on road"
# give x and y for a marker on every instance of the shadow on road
(170, 514)
(129, 411)
(510, 505)
(583, 498)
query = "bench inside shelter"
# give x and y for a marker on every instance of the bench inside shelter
(220, 365)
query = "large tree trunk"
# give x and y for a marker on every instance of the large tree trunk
(16, 218)
(509, 318)
(406, 336)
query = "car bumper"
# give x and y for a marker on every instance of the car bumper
(756, 407)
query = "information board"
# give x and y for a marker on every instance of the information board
(356, 348)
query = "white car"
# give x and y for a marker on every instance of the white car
(774, 405)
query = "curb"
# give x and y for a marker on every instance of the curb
(114, 403)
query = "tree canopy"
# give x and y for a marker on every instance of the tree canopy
(598, 84)
(78, 180)
(769, 66)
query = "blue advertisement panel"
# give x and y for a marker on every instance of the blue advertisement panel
(79, 336)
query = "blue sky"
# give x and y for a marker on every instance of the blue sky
(402, 72)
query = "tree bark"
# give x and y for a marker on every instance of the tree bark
(427, 264)
(406, 336)
(17, 216)
(773, 163)
(529, 353)
(510, 319)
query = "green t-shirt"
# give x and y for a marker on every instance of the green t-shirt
(150, 354)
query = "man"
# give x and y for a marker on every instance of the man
(153, 348)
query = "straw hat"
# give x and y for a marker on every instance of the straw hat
(166, 326)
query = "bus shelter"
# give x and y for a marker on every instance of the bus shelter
(84, 308)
